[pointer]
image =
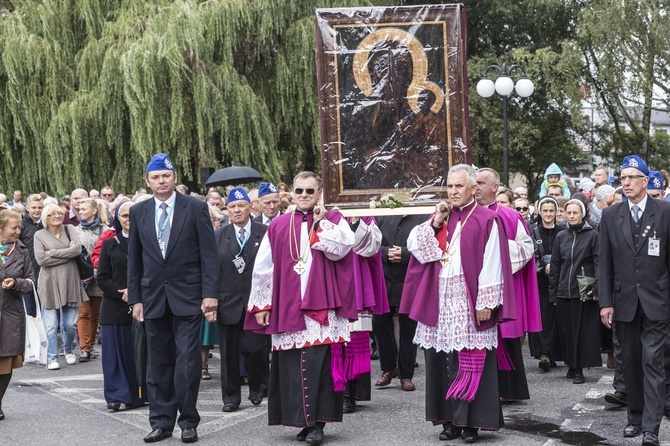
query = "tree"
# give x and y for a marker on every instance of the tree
(89, 89)
(625, 45)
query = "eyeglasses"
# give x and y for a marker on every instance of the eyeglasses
(522, 209)
(631, 177)
(299, 191)
(107, 195)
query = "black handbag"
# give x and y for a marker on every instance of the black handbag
(83, 260)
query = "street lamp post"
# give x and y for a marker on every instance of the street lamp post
(504, 85)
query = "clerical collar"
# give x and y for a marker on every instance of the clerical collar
(462, 208)
(489, 205)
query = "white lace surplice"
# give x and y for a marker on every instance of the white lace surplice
(455, 329)
(335, 240)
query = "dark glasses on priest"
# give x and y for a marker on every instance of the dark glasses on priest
(308, 191)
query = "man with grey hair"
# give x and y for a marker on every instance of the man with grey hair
(454, 289)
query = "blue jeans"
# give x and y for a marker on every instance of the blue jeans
(69, 318)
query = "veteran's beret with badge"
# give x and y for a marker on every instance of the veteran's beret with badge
(238, 194)
(160, 161)
(267, 189)
(655, 180)
(635, 162)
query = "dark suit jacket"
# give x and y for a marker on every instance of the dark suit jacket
(627, 275)
(234, 288)
(259, 217)
(395, 230)
(190, 269)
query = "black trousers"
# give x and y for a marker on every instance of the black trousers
(254, 349)
(173, 370)
(392, 355)
(643, 347)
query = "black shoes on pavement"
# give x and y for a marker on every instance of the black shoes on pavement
(189, 435)
(618, 398)
(650, 439)
(632, 430)
(230, 407)
(157, 435)
(349, 405)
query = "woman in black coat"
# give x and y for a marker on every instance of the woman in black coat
(121, 384)
(575, 255)
(544, 231)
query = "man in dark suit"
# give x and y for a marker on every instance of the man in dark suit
(268, 197)
(172, 275)
(396, 360)
(237, 245)
(634, 292)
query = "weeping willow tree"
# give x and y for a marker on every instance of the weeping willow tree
(90, 89)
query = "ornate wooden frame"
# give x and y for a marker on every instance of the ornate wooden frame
(438, 67)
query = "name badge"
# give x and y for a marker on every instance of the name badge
(654, 246)
(239, 264)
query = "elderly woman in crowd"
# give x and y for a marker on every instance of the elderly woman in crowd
(543, 234)
(603, 197)
(209, 331)
(16, 273)
(573, 286)
(59, 285)
(121, 383)
(92, 223)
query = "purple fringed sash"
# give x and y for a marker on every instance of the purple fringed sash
(504, 360)
(337, 367)
(357, 359)
(470, 369)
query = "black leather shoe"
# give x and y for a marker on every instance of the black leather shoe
(579, 379)
(315, 435)
(571, 374)
(349, 405)
(230, 407)
(544, 365)
(114, 406)
(666, 413)
(650, 439)
(470, 435)
(189, 435)
(302, 434)
(85, 356)
(2, 415)
(157, 435)
(255, 399)
(450, 432)
(618, 398)
(632, 430)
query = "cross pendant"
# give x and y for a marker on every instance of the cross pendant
(299, 267)
(445, 260)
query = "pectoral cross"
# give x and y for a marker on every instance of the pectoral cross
(299, 267)
(445, 260)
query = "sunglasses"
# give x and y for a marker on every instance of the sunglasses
(299, 191)
(524, 209)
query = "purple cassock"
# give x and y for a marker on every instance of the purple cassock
(420, 298)
(329, 286)
(369, 279)
(526, 294)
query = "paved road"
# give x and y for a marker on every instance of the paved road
(67, 407)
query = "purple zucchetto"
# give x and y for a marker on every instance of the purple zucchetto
(655, 180)
(267, 189)
(160, 161)
(237, 194)
(635, 162)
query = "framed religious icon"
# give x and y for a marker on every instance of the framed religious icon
(393, 108)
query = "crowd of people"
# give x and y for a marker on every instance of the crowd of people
(299, 299)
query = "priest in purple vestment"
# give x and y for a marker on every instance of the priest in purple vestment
(302, 293)
(512, 383)
(455, 289)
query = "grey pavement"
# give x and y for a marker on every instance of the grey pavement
(67, 407)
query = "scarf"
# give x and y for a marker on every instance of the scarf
(90, 225)
(5, 250)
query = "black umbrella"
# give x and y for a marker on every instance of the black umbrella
(233, 175)
(140, 349)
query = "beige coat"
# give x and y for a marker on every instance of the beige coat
(12, 315)
(59, 283)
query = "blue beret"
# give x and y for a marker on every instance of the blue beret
(267, 189)
(238, 194)
(635, 162)
(655, 180)
(160, 161)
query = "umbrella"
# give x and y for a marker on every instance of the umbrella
(140, 349)
(233, 175)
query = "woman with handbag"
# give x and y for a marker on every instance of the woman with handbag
(572, 284)
(545, 344)
(16, 273)
(57, 248)
(122, 385)
(92, 223)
